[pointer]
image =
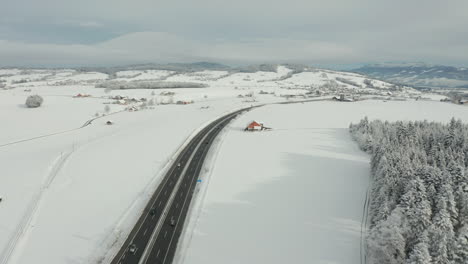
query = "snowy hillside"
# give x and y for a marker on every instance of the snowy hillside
(420, 75)
(77, 183)
(308, 82)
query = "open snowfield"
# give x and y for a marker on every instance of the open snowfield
(294, 194)
(75, 186)
(81, 189)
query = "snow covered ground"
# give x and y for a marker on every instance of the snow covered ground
(294, 194)
(82, 189)
(76, 190)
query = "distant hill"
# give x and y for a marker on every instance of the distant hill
(197, 66)
(418, 75)
(178, 67)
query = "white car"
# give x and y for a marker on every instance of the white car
(132, 249)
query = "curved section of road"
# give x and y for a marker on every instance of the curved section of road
(155, 236)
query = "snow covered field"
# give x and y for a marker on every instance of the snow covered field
(294, 194)
(82, 189)
(76, 190)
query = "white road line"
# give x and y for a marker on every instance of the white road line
(180, 157)
(165, 179)
(146, 230)
(185, 200)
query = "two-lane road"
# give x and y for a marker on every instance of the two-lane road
(158, 229)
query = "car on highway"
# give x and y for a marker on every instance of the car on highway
(132, 249)
(152, 212)
(173, 221)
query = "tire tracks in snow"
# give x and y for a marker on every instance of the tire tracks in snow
(87, 123)
(365, 214)
(32, 210)
(24, 226)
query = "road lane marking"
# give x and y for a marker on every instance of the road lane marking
(155, 196)
(149, 246)
(180, 214)
(183, 156)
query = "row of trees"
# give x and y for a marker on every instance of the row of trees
(418, 206)
(114, 85)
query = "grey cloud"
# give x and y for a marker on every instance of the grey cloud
(315, 31)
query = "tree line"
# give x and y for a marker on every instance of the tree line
(418, 199)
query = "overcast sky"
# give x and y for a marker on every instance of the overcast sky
(315, 32)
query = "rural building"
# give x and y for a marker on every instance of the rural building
(131, 109)
(256, 126)
(82, 95)
(342, 98)
(183, 102)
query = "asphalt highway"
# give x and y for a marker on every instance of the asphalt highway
(154, 237)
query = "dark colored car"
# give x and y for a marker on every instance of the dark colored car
(152, 212)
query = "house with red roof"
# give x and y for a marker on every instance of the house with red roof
(254, 126)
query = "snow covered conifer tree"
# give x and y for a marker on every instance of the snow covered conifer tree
(442, 235)
(419, 254)
(461, 246)
(418, 208)
(386, 244)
